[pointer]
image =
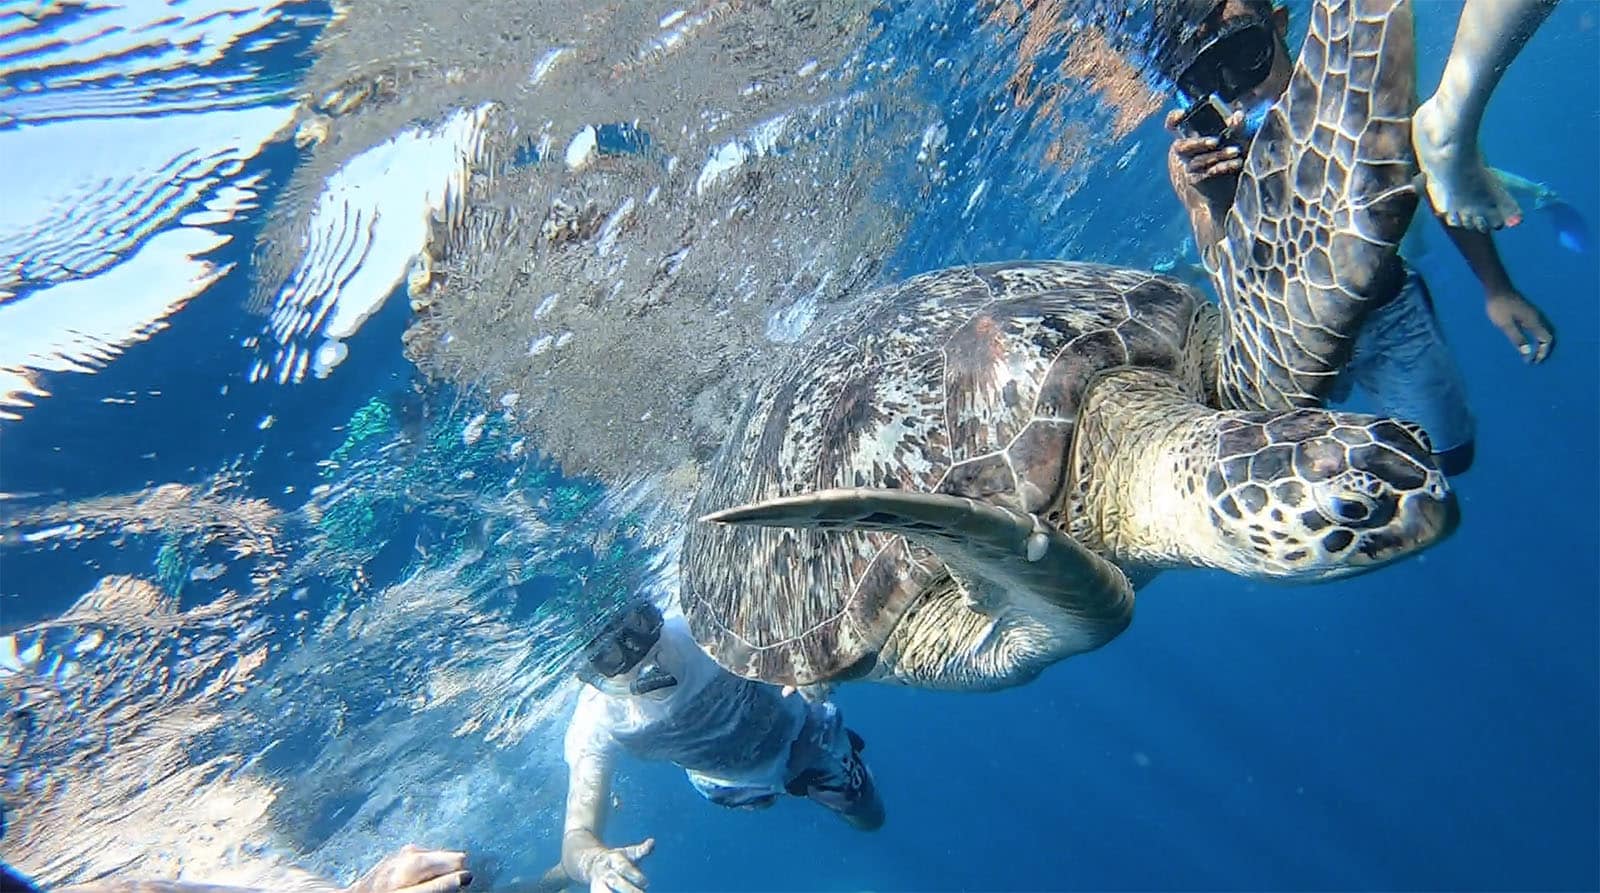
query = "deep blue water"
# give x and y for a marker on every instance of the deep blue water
(1433, 726)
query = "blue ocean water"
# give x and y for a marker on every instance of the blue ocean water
(1432, 726)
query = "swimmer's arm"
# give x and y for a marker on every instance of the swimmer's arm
(297, 881)
(410, 870)
(1479, 251)
(584, 858)
(591, 760)
(1523, 324)
(1207, 217)
(588, 790)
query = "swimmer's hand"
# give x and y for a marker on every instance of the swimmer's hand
(815, 693)
(1522, 323)
(608, 870)
(1207, 160)
(415, 870)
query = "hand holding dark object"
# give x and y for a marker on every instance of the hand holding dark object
(415, 870)
(1209, 163)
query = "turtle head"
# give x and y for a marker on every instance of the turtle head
(1310, 495)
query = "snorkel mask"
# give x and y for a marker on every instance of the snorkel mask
(1233, 59)
(620, 646)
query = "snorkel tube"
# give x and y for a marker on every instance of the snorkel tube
(651, 678)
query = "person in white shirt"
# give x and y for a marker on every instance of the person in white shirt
(652, 692)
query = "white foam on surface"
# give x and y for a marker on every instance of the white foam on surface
(104, 232)
(583, 148)
(763, 139)
(127, 130)
(142, 57)
(81, 194)
(81, 325)
(372, 221)
(547, 63)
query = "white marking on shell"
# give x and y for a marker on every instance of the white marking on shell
(584, 148)
(543, 66)
(1037, 544)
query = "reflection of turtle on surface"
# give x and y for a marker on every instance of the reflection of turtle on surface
(997, 456)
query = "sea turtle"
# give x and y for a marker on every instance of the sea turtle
(963, 479)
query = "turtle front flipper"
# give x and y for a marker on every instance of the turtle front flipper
(1324, 198)
(1021, 594)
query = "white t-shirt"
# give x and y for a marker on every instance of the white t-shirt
(712, 723)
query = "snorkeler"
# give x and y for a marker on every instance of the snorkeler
(1400, 358)
(411, 869)
(651, 691)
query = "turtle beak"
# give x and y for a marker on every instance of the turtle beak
(1437, 519)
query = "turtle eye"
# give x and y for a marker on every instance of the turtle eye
(1347, 506)
(1350, 510)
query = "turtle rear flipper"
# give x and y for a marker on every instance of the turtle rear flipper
(1030, 594)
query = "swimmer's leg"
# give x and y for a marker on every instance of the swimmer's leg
(831, 771)
(1402, 362)
(1444, 129)
(731, 795)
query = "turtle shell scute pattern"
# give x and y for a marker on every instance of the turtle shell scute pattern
(964, 381)
(1323, 201)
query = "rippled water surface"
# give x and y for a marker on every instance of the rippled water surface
(353, 356)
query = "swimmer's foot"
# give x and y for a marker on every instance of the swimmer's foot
(1461, 188)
